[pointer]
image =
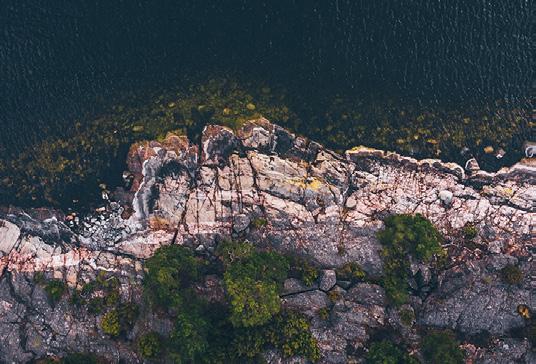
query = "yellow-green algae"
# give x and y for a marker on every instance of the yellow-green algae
(58, 170)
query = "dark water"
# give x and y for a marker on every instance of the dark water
(60, 59)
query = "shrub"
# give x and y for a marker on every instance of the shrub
(303, 270)
(252, 303)
(323, 313)
(351, 271)
(511, 274)
(249, 343)
(253, 285)
(189, 337)
(252, 322)
(407, 316)
(405, 235)
(441, 347)
(259, 223)
(110, 323)
(470, 232)
(290, 333)
(413, 234)
(385, 352)
(79, 358)
(229, 251)
(170, 270)
(150, 345)
(55, 289)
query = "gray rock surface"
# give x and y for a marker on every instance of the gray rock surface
(314, 203)
(328, 279)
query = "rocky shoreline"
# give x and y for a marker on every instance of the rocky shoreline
(279, 191)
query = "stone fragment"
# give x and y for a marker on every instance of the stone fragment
(446, 197)
(241, 223)
(328, 279)
(9, 235)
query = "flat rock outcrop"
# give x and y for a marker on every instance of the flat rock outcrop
(275, 189)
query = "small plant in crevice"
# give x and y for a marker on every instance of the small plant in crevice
(524, 311)
(110, 323)
(55, 289)
(334, 295)
(470, 231)
(259, 223)
(303, 270)
(441, 347)
(385, 352)
(323, 313)
(150, 345)
(407, 316)
(511, 274)
(352, 272)
(403, 236)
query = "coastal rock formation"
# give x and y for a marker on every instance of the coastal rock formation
(264, 184)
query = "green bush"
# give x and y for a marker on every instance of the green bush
(230, 251)
(407, 316)
(110, 323)
(351, 271)
(238, 332)
(405, 235)
(511, 274)
(189, 338)
(150, 345)
(288, 332)
(259, 223)
(253, 286)
(385, 352)
(441, 347)
(303, 270)
(55, 289)
(413, 234)
(470, 232)
(171, 270)
(79, 358)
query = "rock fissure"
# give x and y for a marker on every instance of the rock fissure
(314, 203)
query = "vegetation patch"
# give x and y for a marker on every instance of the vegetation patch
(54, 288)
(150, 345)
(470, 232)
(240, 329)
(351, 272)
(511, 274)
(405, 236)
(385, 352)
(442, 347)
(303, 270)
(407, 316)
(71, 163)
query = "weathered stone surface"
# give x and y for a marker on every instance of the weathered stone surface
(316, 203)
(328, 279)
(472, 298)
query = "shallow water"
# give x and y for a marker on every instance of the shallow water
(62, 61)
